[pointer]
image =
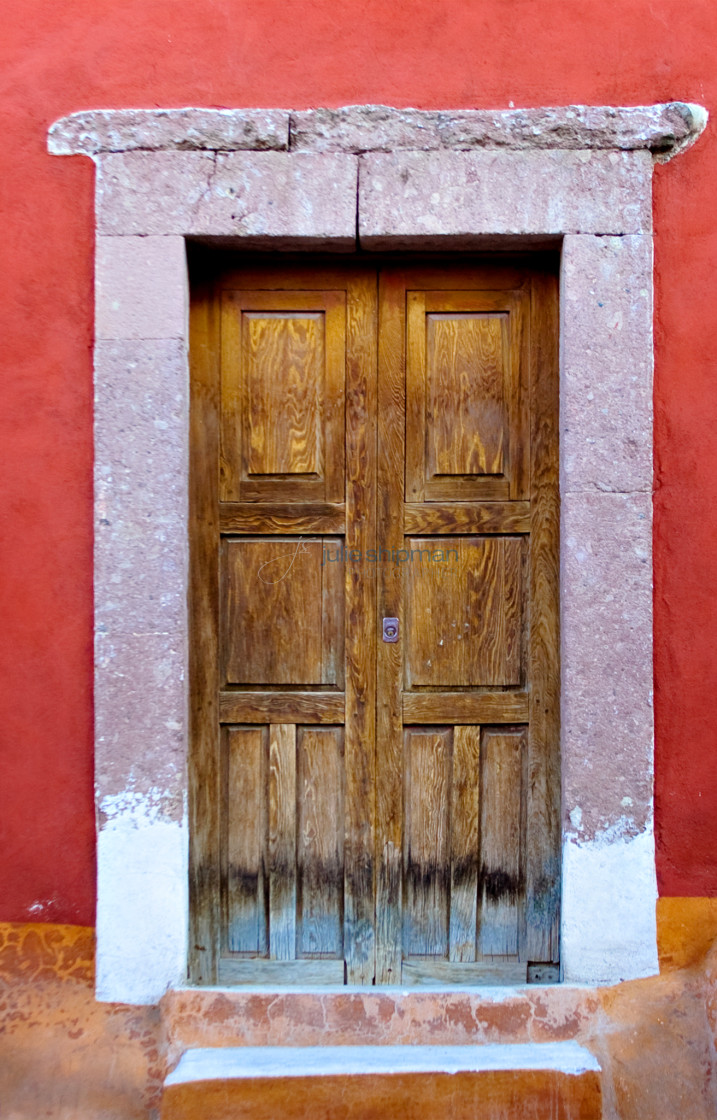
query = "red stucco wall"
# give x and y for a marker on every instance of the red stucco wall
(58, 58)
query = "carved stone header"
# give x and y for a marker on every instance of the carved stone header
(664, 129)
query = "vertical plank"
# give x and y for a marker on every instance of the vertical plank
(320, 844)
(334, 410)
(412, 306)
(517, 347)
(246, 840)
(360, 658)
(282, 841)
(543, 807)
(426, 847)
(502, 872)
(227, 341)
(332, 621)
(513, 588)
(203, 762)
(465, 838)
(389, 724)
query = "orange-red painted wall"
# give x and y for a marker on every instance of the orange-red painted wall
(58, 58)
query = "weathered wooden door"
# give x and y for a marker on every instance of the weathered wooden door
(374, 768)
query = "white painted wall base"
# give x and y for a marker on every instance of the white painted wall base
(142, 902)
(609, 930)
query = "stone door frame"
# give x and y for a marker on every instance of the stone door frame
(576, 178)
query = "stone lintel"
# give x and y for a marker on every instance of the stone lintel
(420, 200)
(267, 199)
(663, 129)
(169, 130)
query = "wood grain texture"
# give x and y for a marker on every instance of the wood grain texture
(502, 853)
(358, 447)
(427, 770)
(389, 723)
(203, 605)
(465, 707)
(282, 371)
(465, 406)
(465, 842)
(360, 657)
(332, 613)
(438, 371)
(463, 623)
(466, 429)
(310, 518)
(282, 841)
(245, 886)
(422, 518)
(433, 973)
(300, 973)
(320, 844)
(272, 611)
(281, 707)
(543, 824)
(281, 611)
(283, 366)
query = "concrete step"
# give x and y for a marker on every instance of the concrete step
(526, 1081)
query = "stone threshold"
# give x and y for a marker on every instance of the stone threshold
(663, 129)
(212, 1063)
(365, 1082)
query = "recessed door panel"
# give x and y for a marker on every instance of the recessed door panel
(283, 371)
(281, 611)
(464, 606)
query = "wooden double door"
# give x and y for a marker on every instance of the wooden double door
(374, 772)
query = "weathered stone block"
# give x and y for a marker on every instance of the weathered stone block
(606, 653)
(151, 193)
(140, 288)
(141, 455)
(455, 199)
(606, 347)
(126, 130)
(140, 719)
(380, 128)
(267, 199)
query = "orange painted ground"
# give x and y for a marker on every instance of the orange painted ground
(66, 1057)
(59, 58)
